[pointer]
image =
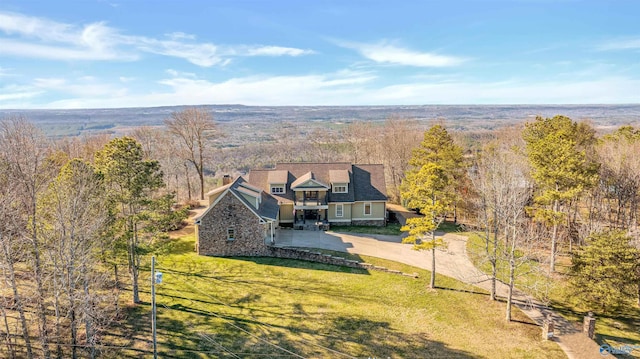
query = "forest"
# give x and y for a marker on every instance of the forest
(78, 215)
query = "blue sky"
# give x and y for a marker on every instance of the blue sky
(117, 53)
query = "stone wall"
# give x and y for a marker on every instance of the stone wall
(373, 223)
(312, 256)
(230, 212)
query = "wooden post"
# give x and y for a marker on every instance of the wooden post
(153, 306)
(547, 328)
(589, 325)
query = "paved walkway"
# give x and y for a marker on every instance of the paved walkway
(452, 262)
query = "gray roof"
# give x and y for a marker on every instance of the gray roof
(306, 178)
(339, 176)
(278, 177)
(268, 208)
(366, 182)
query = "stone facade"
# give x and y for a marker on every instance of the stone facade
(311, 256)
(359, 222)
(249, 233)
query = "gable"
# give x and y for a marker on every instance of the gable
(308, 180)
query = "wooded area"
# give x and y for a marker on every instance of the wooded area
(76, 212)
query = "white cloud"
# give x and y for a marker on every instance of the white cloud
(386, 53)
(17, 93)
(276, 51)
(42, 38)
(621, 44)
(597, 91)
(337, 88)
(5, 72)
(84, 87)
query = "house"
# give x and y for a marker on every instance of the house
(334, 193)
(243, 214)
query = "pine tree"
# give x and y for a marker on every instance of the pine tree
(561, 169)
(130, 179)
(605, 270)
(430, 187)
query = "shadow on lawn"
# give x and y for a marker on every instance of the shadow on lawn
(202, 330)
(200, 333)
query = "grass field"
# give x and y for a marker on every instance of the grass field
(270, 308)
(620, 329)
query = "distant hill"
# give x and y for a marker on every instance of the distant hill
(255, 118)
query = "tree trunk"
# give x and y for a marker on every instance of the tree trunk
(201, 174)
(200, 167)
(186, 173)
(494, 255)
(42, 310)
(554, 239)
(432, 283)
(512, 270)
(57, 311)
(115, 275)
(133, 270)
(87, 315)
(7, 337)
(16, 297)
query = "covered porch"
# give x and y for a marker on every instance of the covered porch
(311, 218)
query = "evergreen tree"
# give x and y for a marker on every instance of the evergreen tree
(605, 270)
(130, 181)
(430, 187)
(557, 151)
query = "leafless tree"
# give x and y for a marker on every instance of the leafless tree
(399, 137)
(195, 128)
(25, 151)
(11, 244)
(72, 213)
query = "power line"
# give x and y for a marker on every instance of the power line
(244, 330)
(269, 325)
(208, 338)
(105, 346)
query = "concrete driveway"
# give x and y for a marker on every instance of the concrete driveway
(452, 261)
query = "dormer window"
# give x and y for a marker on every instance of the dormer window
(340, 188)
(277, 189)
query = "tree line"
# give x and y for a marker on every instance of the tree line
(548, 187)
(75, 213)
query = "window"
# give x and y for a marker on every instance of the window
(277, 189)
(340, 188)
(339, 209)
(231, 234)
(367, 209)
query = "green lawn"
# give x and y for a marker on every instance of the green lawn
(616, 330)
(268, 308)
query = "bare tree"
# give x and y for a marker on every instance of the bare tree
(503, 188)
(11, 244)
(73, 211)
(196, 129)
(399, 137)
(25, 150)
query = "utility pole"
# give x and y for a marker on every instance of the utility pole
(153, 306)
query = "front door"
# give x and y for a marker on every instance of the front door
(311, 214)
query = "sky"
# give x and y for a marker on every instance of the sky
(125, 53)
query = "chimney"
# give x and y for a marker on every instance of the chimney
(226, 179)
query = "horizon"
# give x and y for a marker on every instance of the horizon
(108, 54)
(284, 106)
